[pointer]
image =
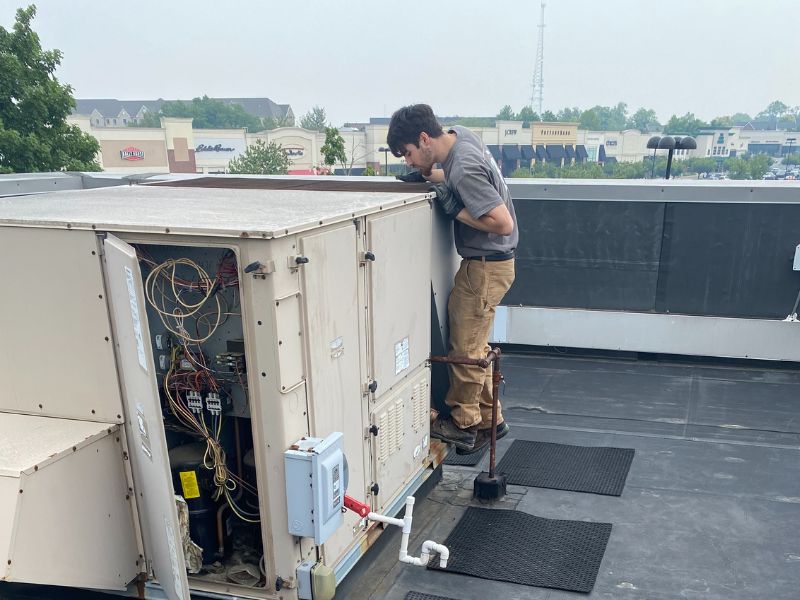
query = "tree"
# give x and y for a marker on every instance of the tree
(274, 122)
(526, 114)
(772, 113)
(605, 118)
(206, 113)
(314, 120)
(644, 120)
(590, 120)
(724, 121)
(774, 109)
(506, 113)
(549, 116)
(333, 148)
(741, 118)
(688, 124)
(700, 165)
(34, 106)
(261, 159)
(469, 121)
(569, 115)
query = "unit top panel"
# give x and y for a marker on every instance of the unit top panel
(196, 211)
(28, 440)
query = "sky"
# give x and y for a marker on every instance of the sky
(361, 59)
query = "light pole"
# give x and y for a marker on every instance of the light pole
(790, 142)
(385, 159)
(670, 143)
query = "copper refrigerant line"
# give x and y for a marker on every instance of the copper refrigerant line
(492, 357)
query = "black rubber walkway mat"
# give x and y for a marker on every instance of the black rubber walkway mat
(563, 467)
(509, 545)
(466, 460)
(421, 596)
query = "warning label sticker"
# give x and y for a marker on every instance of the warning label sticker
(189, 484)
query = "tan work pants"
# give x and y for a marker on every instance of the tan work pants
(479, 287)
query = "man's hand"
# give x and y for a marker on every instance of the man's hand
(412, 177)
(436, 176)
(449, 201)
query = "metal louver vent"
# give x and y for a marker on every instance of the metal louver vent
(383, 436)
(419, 402)
(398, 429)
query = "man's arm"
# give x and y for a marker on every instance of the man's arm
(436, 176)
(498, 220)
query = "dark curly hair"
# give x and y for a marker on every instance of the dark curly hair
(407, 124)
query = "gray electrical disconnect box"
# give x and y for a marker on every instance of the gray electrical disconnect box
(796, 263)
(315, 486)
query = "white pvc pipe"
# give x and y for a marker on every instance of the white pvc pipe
(428, 546)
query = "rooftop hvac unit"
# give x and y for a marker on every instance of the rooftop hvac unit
(221, 326)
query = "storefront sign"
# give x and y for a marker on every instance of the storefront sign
(214, 148)
(131, 153)
(211, 148)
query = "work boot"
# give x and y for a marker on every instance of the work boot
(444, 429)
(484, 437)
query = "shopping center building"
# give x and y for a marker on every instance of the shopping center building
(178, 147)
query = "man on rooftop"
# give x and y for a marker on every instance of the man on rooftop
(486, 235)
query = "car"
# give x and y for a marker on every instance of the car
(769, 175)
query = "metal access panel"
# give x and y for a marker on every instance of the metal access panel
(401, 446)
(143, 422)
(333, 313)
(399, 284)
(56, 353)
(65, 510)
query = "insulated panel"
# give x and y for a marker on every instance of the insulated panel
(729, 260)
(66, 515)
(584, 254)
(401, 446)
(56, 351)
(399, 293)
(330, 294)
(144, 422)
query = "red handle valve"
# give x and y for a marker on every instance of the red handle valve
(361, 509)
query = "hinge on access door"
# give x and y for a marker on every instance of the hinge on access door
(101, 247)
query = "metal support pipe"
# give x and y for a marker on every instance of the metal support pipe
(492, 358)
(496, 375)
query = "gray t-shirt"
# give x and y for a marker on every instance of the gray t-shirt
(470, 170)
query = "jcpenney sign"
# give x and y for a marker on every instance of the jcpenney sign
(211, 148)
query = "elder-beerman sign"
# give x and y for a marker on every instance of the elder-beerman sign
(210, 147)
